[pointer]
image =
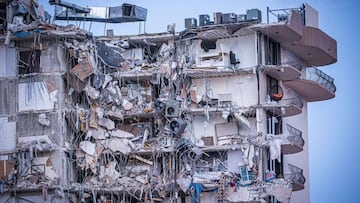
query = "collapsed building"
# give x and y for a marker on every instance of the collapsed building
(215, 113)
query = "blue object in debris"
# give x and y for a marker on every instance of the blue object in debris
(195, 190)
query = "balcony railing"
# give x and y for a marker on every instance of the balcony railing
(286, 107)
(296, 177)
(322, 78)
(293, 142)
(316, 86)
(295, 136)
(293, 101)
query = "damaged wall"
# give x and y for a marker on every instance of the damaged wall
(216, 87)
(53, 57)
(37, 96)
(159, 117)
(39, 124)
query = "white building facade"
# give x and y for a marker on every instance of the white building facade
(215, 113)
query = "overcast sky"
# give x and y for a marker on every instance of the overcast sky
(334, 140)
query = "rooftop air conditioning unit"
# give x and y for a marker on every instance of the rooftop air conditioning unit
(253, 14)
(190, 23)
(204, 20)
(229, 18)
(241, 18)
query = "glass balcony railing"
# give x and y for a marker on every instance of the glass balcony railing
(322, 78)
(314, 86)
(296, 177)
(293, 101)
(295, 136)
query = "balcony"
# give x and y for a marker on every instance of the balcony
(317, 86)
(293, 142)
(316, 48)
(286, 107)
(296, 177)
(288, 30)
(283, 72)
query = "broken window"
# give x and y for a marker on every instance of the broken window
(29, 62)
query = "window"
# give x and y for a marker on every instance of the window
(274, 124)
(272, 51)
(29, 61)
(273, 89)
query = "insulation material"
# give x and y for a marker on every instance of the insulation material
(7, 134)
(36, 96)
(275, 148)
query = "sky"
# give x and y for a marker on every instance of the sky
(334, 140)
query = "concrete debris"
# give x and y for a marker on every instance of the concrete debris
(97, 134)
(106, 123)
(148, 117)
(108, 173)
(115, 113)
(124, 146)
(43, 120)
(127, 105)
(121, 134)
(280, 189)
(92, 92)
(88, 147)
